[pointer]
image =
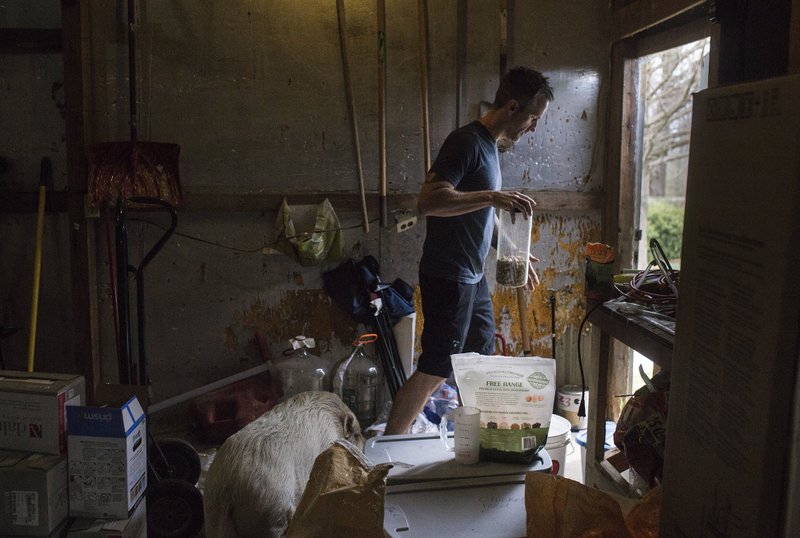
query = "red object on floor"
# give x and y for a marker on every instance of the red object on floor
(223, 412)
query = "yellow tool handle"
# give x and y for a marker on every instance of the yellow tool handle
(37, 271)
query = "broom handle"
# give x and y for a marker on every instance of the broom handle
(383, 208)
(351, 110)
(523, 321)
(132, 68)
(422, 8)
(44, 175)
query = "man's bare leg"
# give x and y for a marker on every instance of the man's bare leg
(409, 401)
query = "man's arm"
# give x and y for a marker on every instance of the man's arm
(439, 198)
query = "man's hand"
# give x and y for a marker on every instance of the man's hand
(533, 278)
(514, 201)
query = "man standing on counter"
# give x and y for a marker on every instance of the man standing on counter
(458, 199)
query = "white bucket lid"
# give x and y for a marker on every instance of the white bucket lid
(558, 433)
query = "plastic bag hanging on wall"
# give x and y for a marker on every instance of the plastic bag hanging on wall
(323, 241)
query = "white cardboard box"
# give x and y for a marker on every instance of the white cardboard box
(33, 493)
(107, 459)
(133, 527)
(730, 434)
(32, 410)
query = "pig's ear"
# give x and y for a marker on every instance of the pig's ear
(350, 425)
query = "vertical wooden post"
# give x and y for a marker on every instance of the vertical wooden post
(74, 22)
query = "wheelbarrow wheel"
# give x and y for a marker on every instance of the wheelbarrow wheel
(174, 509)
(179, 461)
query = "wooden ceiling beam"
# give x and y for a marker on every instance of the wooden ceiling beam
(640, 15)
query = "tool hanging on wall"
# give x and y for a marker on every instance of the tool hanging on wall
(504, 13)
(422, 9)
(384, 212)
(119, 171)
(523, 320)
(351, 110)
(45, 178)
(461, 57)
(133, 168)
(553, 323)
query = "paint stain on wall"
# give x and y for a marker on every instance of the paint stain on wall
(231, 342)
(307, 312)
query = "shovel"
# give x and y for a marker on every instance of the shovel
(133, 168)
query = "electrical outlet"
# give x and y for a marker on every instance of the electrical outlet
(405, 223)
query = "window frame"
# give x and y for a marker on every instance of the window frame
(622, 207)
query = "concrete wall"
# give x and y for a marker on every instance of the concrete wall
(253, 93)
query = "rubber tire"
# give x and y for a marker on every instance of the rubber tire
(174, 509)
(182, 463)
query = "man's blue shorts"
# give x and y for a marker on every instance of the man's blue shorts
(458, 318)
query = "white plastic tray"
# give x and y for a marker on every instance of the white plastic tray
(423, 457)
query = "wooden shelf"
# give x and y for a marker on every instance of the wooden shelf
(650, 339)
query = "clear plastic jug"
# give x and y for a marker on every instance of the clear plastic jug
(358, 381)
(301, 371)
(513, 249)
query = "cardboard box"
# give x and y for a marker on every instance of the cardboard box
(33, 493)
(730, 438)
(107, 459)
(32, 410)
(133, 527)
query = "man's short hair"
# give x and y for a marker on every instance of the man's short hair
(522, 84)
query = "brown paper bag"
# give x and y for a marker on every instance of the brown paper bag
(557, 507)
(343, 497)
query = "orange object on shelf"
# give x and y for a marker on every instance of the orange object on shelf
(599, 271)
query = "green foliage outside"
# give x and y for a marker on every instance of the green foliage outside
(665, 224)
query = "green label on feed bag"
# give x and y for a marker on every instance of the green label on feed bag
(538, 380)
(513, 446)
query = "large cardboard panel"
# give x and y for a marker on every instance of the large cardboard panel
(735, 358)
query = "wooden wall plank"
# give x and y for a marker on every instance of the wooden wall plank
(211, 200)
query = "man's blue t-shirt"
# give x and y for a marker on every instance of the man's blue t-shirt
(456, 247)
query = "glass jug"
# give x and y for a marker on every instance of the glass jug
(301, 371)
(358, 381)
(513, 247)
